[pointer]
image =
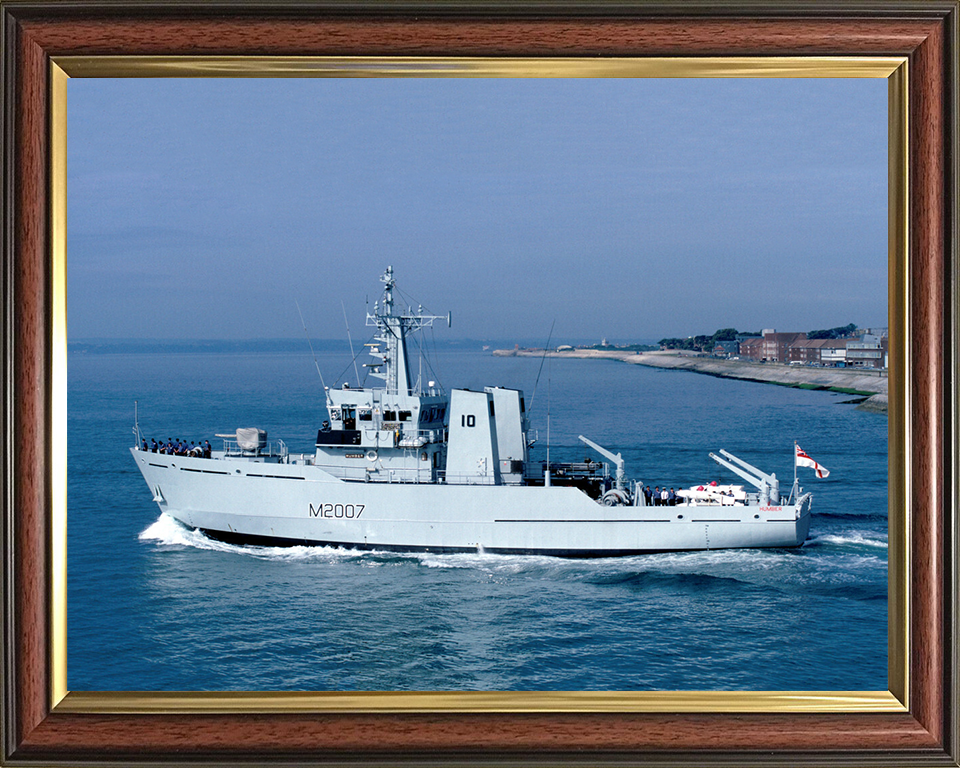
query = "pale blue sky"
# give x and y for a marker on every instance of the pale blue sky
(624, 208)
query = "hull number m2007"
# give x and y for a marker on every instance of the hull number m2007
(337, 510)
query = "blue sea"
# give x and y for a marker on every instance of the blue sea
(154, 606)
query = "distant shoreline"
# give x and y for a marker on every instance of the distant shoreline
(867, 386)
(297, 345)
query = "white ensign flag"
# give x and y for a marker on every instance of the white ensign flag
(805, 461)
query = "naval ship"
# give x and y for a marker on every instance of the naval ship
(407, 467)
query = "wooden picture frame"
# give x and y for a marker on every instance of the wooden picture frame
(917, 722)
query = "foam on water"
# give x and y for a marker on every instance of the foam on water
(168, 532)
(485, 561)
(848, 539)
(750, 565)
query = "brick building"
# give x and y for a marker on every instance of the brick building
(751, 348)
(775, 345)
(817, 351)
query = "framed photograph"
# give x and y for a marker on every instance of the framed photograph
(45, 46)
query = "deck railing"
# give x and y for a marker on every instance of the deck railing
(409, 438)
(464, 478)
(386, 475)
(272, 449)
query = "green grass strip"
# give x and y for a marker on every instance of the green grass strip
(848, 391)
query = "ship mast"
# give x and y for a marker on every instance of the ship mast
(392, 331)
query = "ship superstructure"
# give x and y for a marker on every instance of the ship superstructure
(407, 466)
(395, 433)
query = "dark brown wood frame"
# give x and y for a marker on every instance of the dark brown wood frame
(925, 32)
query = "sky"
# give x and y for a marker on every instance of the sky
(618, 208)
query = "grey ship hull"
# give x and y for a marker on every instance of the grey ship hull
(264, 502)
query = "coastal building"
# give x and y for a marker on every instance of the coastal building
(726, 349)
(865, 350)
(817, 351)
(834, 355)
(751, 348)
(869, 351)
(775, 345)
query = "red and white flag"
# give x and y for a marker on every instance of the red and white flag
(805, 461)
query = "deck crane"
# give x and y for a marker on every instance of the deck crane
(768, 485)
(618, 495)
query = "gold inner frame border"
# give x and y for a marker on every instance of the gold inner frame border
(893, 69)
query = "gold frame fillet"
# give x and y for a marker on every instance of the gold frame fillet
(893, 69)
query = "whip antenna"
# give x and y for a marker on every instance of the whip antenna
(544, 357)
(355, 369)
(310, 345)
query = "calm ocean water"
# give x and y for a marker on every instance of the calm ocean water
(153, 606)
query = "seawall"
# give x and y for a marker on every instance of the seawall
(868, 386)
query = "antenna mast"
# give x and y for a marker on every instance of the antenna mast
(310, 344)
(543, 357)
(392, 331)
(350, 339)
(546, 475)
